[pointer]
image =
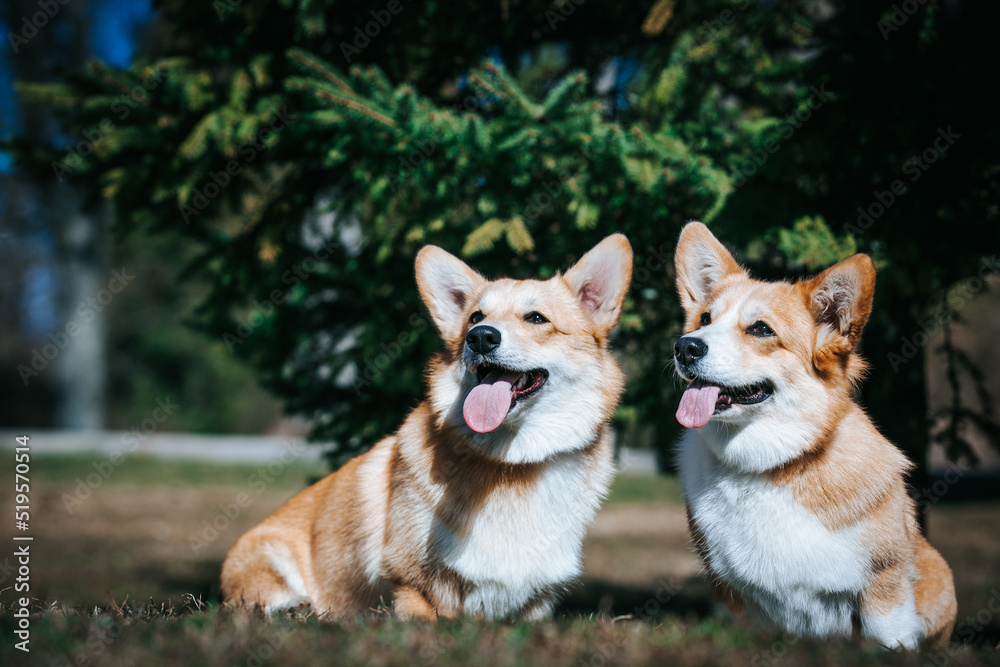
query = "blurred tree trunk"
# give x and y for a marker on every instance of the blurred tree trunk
(82, 364)
(78, 260)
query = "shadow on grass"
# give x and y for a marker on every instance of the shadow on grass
(690, 598)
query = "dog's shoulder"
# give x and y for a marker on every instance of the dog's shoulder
(846, 478)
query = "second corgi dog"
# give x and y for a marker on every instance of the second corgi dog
(795, 501)
(479, 503)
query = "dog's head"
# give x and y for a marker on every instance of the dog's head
(526, 364)
(755, 350)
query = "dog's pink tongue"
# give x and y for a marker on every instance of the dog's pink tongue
(489, 402)
(697, 405)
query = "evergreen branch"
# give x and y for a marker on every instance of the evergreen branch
(988, 427)
(378, 80)
(356, 106)
(113, 80)
(483, 238)
(56, 95)
(488, 87)
(324, 91)
(514, 91)
(951, 431)
(315, 64)
(657, 18)
(259, 69)
(978, 380)
(197, 141)
(240, 88)
(557, 95)
(518, 237)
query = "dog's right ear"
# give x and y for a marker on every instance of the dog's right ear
(446, 285)
(701, 263)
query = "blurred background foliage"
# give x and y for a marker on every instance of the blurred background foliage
(278, 168)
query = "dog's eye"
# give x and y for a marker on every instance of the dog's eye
(535, 318)
(758, 328)
(706, 319)
(476, 318)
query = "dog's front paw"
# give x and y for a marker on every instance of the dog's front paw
(409, 603)
(900, 629)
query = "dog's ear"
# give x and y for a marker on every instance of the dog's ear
(841, 297)
(701, 263)
(446, 285)
(600, 281)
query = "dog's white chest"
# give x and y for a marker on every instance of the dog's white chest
(518, 547)
(789, 568)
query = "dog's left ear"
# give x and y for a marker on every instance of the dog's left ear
(446, 285)
(841, 297)
(600, 280)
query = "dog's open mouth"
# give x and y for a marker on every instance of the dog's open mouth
(499, 389)
(701, 400)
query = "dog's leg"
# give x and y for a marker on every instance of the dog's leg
(887, 608)
(537, 609)
(935, 595)
(725, 594)
(262, 571)
(409, 603)
(722, 592)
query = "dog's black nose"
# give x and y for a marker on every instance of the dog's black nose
(483, 339)
(689, 349)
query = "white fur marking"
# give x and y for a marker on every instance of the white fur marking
(516, 549)
(284, 562)
(788, 567)
(900, 628)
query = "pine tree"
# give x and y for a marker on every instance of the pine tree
(309, 149)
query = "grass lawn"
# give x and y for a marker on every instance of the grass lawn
(125, 571)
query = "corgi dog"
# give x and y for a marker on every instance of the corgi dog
(796, 503)
(479, 503)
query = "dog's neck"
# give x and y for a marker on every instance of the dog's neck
(763, 444)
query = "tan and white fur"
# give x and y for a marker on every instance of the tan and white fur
(440, 520)
(796, 503)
